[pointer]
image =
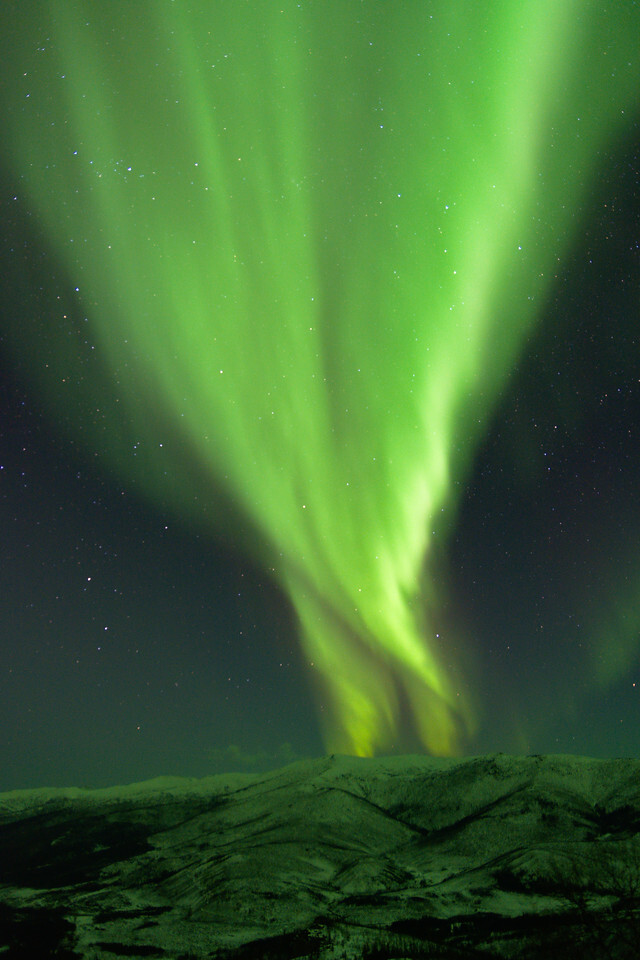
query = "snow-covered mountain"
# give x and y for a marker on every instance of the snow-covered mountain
(493, 856)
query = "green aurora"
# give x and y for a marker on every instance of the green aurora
(309, 240)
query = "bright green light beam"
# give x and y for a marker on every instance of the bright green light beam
(310, 239)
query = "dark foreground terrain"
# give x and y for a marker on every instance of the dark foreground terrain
(333, 858)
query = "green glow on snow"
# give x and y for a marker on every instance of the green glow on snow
(310, 240)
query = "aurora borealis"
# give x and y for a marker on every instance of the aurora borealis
(307, 252)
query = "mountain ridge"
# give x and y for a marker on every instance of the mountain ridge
(333, 857)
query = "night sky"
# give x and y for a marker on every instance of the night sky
(135, 641)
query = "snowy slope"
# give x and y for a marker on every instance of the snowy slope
(410, 856)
